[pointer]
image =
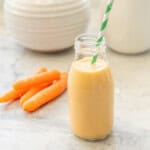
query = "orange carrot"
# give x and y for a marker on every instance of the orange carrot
(43, 69)
(16, 94)
(46, 95)
(34, 90)
(45, 77)
(12, 95)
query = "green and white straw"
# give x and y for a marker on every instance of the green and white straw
(102, 28)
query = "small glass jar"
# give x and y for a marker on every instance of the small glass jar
(90, 90)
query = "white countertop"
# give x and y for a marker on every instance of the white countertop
(48, 128)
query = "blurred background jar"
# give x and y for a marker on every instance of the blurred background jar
(46, 25)
(128, 28)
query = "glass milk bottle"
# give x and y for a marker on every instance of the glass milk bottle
(128, 30)
(90, 91)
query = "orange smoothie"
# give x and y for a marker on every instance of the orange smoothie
(91, 94)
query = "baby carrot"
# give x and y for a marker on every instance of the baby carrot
(46, 95)
(34, 90)
(43, 69)
(12, 95)
(45, 77)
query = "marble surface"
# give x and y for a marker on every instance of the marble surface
(48, 128)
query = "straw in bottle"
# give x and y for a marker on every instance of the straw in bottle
(102, 28)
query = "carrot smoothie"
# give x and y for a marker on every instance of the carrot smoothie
(91, 94)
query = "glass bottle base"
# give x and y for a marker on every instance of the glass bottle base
(94, 139)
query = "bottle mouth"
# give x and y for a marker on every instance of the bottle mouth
(88, 39)
(85, 46)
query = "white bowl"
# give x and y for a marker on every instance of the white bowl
(46, 11)
(34, 22)
(50, 27)
(46, 41)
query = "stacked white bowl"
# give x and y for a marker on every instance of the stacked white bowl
(46, 25)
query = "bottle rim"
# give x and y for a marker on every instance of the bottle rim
(88, 39)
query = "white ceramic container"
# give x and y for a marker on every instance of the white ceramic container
(46, 25)
(128, 30)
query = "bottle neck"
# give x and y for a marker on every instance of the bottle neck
(85, 46)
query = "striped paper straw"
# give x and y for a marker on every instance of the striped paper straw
(102, 28)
